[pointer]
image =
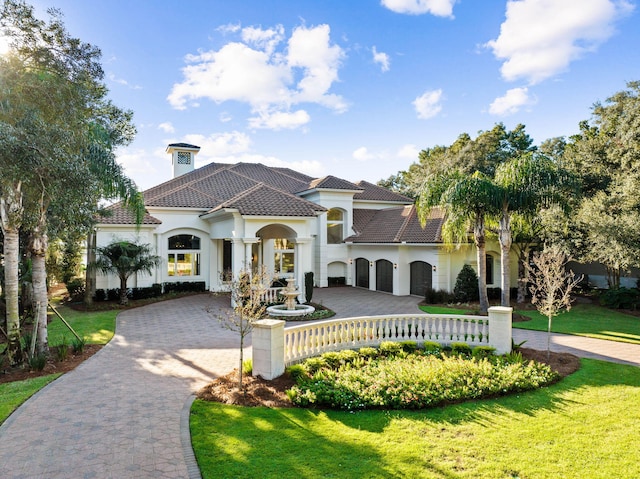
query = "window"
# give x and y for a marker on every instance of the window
(184, 158)
(335, 226)
(489, 267)
(284, 256)
(227, 261)
(183, 258)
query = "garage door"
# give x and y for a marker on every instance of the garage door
(362, 273)
(420, 277)
(384, 276)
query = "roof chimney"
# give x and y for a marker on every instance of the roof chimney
(182, 157)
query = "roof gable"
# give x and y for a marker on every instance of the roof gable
(373, 192)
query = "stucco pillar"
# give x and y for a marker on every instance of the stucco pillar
(267, 343)
(500, 328)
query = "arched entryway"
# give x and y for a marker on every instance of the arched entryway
(420, 277)
(276, 250)
(362, 273)
(384, 276)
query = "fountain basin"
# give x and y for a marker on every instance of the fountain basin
(283, 310)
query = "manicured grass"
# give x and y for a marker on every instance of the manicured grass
(96, 327)
(587, 425)
(15, 393)
(588, 320)
(430, 309)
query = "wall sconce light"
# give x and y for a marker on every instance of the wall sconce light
(370, 264)
(434, 268)
(395, 265)
(350, 261)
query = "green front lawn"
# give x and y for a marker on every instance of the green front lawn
(587, 425)
(96, 327)
(15, 393)
(589, 320)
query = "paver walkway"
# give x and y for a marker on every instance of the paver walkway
(124, 412)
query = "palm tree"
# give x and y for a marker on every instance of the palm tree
(125, 259)
(525, 185)
(467, 201)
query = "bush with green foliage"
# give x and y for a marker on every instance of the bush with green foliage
(416, 381)
(308, 286)
(481, 352)
(466, 288)
(63, 349)
(75, 288)
(461, 349)
(437, 296)
(620, 298)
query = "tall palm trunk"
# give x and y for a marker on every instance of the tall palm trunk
(481, 254)
(38, 242)
(11, 219)
(504, 237)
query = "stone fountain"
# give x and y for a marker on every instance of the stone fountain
(290, 308)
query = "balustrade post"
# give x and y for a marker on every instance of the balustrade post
(500, 328)
(267, 344)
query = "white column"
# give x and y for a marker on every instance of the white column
(500, 328)
(267, 343)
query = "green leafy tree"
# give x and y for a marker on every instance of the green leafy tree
(125, 259)
(466, 287)
(605, 156)
(62, 131)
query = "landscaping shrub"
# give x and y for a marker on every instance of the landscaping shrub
(437, 296)
(466, 288)
(184, 287)
(390, 348)
(417, 381)
(409, 346)
(308, 286)
(152, 291)
(247, 367)
(63, 349)
(368, 352)
(461, 349)
(75, 288)
(620, 298)
(481, 352)
(101, 295)
(312, 365)
(296, 371)
(431, 347)
(38, 361)
(78, 345)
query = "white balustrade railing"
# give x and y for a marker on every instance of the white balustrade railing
(270, 295)
(313, 339)
(275, 346)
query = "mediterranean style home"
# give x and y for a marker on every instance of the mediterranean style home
(209, 224)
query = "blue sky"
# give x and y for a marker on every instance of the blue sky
(350, 88)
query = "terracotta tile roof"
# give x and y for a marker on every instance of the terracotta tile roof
(262, 200)
(184, 145)
(333, 183)
(395, 225)
(117, 215)
(373, 192)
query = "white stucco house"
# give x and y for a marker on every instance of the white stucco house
(210, 223)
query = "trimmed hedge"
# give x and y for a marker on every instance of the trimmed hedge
(152, 291)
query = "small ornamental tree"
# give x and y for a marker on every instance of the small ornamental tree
(551, 285)
(124, 259)
(248, 307)
(466, 287)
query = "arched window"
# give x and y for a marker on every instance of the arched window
(335, 226)
(184, 255)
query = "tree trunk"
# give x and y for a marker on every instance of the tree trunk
(38, 243)
(523, 276)
(90, 273)
(124, 299)
(504, 236)
(481, 254)
(11, 219)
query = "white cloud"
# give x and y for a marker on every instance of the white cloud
(136, 163)
(167, 127)
(540, 38)
(363, 154)
(409, 151)
(511, 102)
(428, 104)
(279, 120)
(439, 8)
(124, 82)
(219, 144)
(381, 58)
(268, 74)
